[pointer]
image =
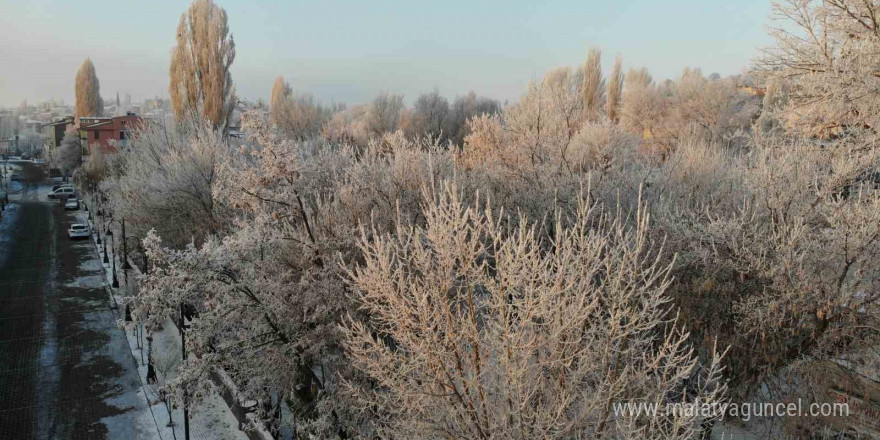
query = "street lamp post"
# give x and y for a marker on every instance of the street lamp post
(125, 265)
(108, 231)
(115, 280)
(97, 214)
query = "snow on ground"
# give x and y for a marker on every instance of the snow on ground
(209, 420)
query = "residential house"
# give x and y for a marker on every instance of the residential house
(108, 132)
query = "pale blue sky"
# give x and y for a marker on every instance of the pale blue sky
(347, 51)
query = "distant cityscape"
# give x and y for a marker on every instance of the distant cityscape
(35, 130)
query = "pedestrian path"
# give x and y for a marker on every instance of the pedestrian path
(211, 418)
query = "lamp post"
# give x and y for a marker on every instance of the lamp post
(115, 280)
(97, 214)
(183, 356)
(125, 265)
(108, 231)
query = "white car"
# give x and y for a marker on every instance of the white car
(62, 193)
(78, 230)
(71, 203)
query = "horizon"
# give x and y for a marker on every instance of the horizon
(388, 46)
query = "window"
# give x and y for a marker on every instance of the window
(122, 135)
(97, 134)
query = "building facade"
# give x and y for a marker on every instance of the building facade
(53, 133)
(108, 132)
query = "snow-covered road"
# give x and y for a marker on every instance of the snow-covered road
(66, 370)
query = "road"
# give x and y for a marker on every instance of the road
(66, 371)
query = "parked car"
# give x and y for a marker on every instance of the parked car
(14, 157)
(78, 230)
(63, 185)
(14, 177)
(62, 193)
(72, 204)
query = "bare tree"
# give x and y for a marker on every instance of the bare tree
(201, 85)
(383, 115)
(463, 109)
(88, 91)
(594, 84)
(430, 116)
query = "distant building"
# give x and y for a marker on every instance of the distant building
(9, 146)
(33, 125)
(107, 131)
(53, 132)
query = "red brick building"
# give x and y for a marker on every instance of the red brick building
(101, 130)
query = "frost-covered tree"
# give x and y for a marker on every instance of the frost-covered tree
(337, 273)
(269, 291)
(201, 84)
(70, 152)
(95, 168)
(827, 51)
(642, 107)
(30, 142)
(666, 114)
(163, 179)
(87, 89)
(535, 131)
(297, 115)
(480, 330)
(347, 126)
(463, 109)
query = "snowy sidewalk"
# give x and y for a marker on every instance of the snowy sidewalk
(210, 419)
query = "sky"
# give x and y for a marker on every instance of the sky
(350, 50)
